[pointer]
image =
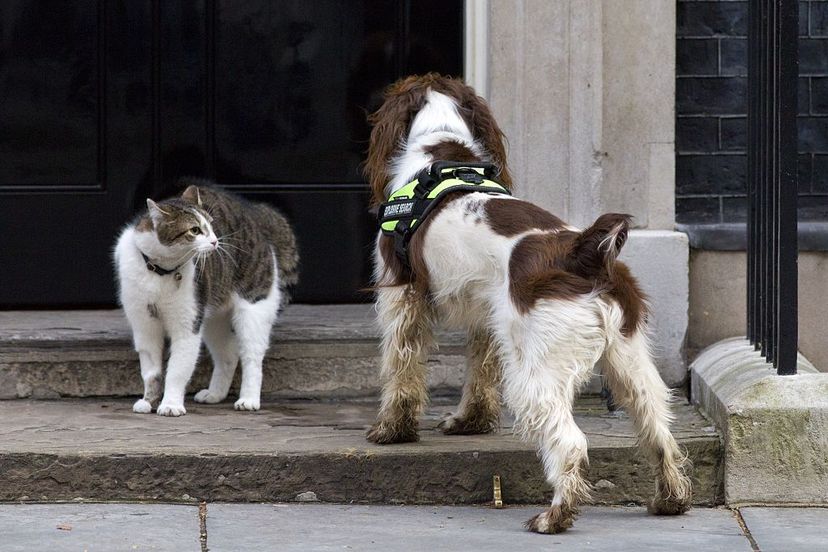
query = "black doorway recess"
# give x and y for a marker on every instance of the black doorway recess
(105, 103)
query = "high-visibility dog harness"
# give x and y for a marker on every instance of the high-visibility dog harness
(408, 207)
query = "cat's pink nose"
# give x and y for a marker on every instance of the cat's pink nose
(214, 243)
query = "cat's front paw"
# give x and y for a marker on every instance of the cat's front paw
(205, 396)
(247, 404)
(142, 406)
(171, 409)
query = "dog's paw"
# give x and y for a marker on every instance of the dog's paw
(142, 406)
(453, 424)
(247, 404)
(171, 409)
(205, 396)
(673, 496)
(385, 434)
(669, 506)
(556, 519)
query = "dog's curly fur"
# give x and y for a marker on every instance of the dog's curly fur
(542, 302)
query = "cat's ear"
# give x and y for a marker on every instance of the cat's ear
(192, 195)
(156, 213)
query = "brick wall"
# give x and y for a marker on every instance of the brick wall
(711, 92)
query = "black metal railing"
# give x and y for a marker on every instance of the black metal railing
(773, 65)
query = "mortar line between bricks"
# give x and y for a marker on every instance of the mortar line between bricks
(745, 531)
(202, 526)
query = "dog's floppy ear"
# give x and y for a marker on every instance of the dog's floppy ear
(484, 128)
(390, 127)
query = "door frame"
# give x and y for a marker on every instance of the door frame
(476, 55)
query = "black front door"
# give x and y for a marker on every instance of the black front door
(105, 103)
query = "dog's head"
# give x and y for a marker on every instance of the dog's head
(393, 121)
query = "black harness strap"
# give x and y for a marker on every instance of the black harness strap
(408, 213)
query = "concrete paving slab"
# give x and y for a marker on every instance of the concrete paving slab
(787, 529)
(99, 528)
(428, 528)
(100, 449)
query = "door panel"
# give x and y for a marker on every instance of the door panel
(107, 103)
(74, 136)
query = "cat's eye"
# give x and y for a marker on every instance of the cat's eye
(195, 230)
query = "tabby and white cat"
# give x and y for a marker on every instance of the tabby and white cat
(206, 265)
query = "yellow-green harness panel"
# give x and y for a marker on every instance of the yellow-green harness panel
(405, 210)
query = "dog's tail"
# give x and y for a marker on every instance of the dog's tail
(595, 250)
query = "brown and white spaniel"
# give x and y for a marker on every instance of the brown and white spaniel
(542, 301)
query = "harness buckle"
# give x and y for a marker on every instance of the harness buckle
(425, 183)
(469, 176)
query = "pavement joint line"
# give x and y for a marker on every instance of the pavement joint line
(202, 525)
(745, 530)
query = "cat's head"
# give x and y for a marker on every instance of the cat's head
(181, 226)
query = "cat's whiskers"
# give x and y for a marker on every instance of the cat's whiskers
(228, 241)
(200, 262)
(236, 247)
(223, 251)
(185, 257)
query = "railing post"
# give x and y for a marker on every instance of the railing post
(772, 189)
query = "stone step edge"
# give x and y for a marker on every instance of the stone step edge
(416, 476)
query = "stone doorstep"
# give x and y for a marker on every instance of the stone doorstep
(317, 351)
(325, 351)
(94, 449)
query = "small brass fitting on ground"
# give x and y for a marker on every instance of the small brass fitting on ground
(498, 497)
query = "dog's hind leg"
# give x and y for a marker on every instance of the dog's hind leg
(406, 320)
(479, 409)
(542, 402)
(563, 450)
(637, 387)
(547, 356)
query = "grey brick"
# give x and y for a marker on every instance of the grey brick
(734, 56)
(804, 172)
(734, 209)
(812, 207)
(819, 173)
(697, 134)
(697, 56)
(819, 19)
(803, 18)
(813, 56)
(697, 209)
(819, 95)
(714, 96)
(710, 174)
(813, 134)
(804, 91)
(734, 133)
(711, 19)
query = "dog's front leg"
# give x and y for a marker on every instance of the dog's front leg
(406, 321)
(479, 409)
